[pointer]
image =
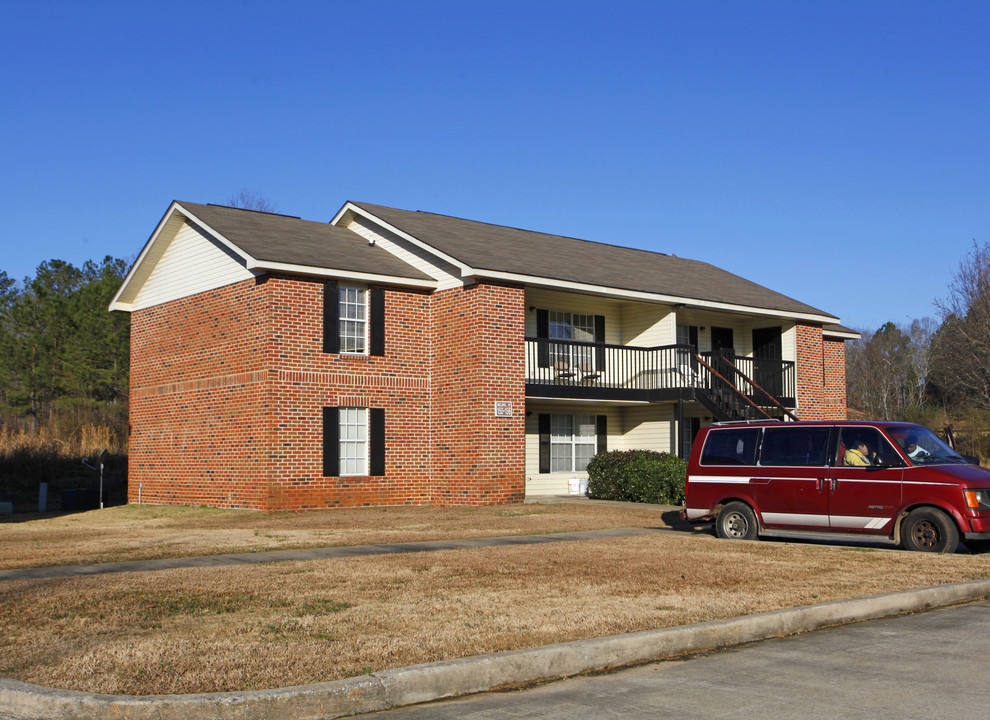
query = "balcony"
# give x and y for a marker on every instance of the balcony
(597, 371)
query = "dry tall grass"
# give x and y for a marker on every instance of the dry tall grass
(246, 627)
(237, 628)
(135, 532)
(58, 442)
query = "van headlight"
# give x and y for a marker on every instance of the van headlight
(977, 499)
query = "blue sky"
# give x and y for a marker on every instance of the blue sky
(837, 152)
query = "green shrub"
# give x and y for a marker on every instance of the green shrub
(645, 476)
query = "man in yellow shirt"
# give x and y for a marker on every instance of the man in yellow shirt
(858, 455)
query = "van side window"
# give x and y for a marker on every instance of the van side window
(794, 446)
(865, 446)
(731, 446)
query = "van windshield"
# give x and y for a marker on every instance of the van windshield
(923, 447)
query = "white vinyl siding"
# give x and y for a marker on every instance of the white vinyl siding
(575, 305)
(645, 325)
(446, 274)
(647, 427)
(626, 323)
(192, 263)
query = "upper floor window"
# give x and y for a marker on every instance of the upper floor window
(353, 319)
(572, 326)
(561, 332)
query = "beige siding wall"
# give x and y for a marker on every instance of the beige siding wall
(630, 427)
(626, 323)
(539, 298)
(646, 325)
(192, 263)
(742, 330)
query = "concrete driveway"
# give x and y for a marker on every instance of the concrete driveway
(926, 665)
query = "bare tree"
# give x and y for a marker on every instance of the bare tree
(887, 370)
(919, 359)
(877, 371)
(962, 344)
(250, 200)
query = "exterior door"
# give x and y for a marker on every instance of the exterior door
(864, 498)
(768, 360)
(723, 343)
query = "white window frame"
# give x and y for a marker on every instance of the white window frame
(565, 435)
(352, 451)
(572, 326)
(353, 319)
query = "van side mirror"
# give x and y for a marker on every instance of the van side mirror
(971, 459)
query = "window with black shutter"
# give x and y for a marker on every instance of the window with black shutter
(353, 319)
(353, 441)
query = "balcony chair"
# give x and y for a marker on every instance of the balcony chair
(562, 369)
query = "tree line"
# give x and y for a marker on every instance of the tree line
(932, 371)
(64, 357)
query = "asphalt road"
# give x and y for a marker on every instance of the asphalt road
(927, 665)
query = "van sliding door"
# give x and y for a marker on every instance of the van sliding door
(790, 483)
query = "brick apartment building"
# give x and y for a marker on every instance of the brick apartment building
(393, 357)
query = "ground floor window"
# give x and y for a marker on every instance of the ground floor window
(353, 441)
(573, 442)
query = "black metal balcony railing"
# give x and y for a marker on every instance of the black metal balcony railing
(572, 368)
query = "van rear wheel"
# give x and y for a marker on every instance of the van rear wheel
(736, 521)
(929, 530)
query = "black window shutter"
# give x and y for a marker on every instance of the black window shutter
(377, 330)
(601, 426)
(599, 338)
(331, 442)
(376, 441)
(331, 318)
(544, 429)
(542, 334)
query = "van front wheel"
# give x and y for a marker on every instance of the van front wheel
(929, 530)
(736, 521)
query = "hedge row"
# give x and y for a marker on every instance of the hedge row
(645, 476)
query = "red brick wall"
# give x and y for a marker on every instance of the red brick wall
(228, 389)
(199, 400)
(821, 375)
(479, 458)
(307, 380)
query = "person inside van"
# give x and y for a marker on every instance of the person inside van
(858, 455)
(911, 448)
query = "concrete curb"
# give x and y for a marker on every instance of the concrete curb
(433, 681)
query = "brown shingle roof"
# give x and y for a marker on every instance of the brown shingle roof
(509, 250)
(268, 237)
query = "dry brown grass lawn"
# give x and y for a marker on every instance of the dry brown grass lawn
(262, 626)
(140, 532)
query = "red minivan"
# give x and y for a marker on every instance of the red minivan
(885, 479)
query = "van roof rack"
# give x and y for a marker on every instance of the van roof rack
(747, 422)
